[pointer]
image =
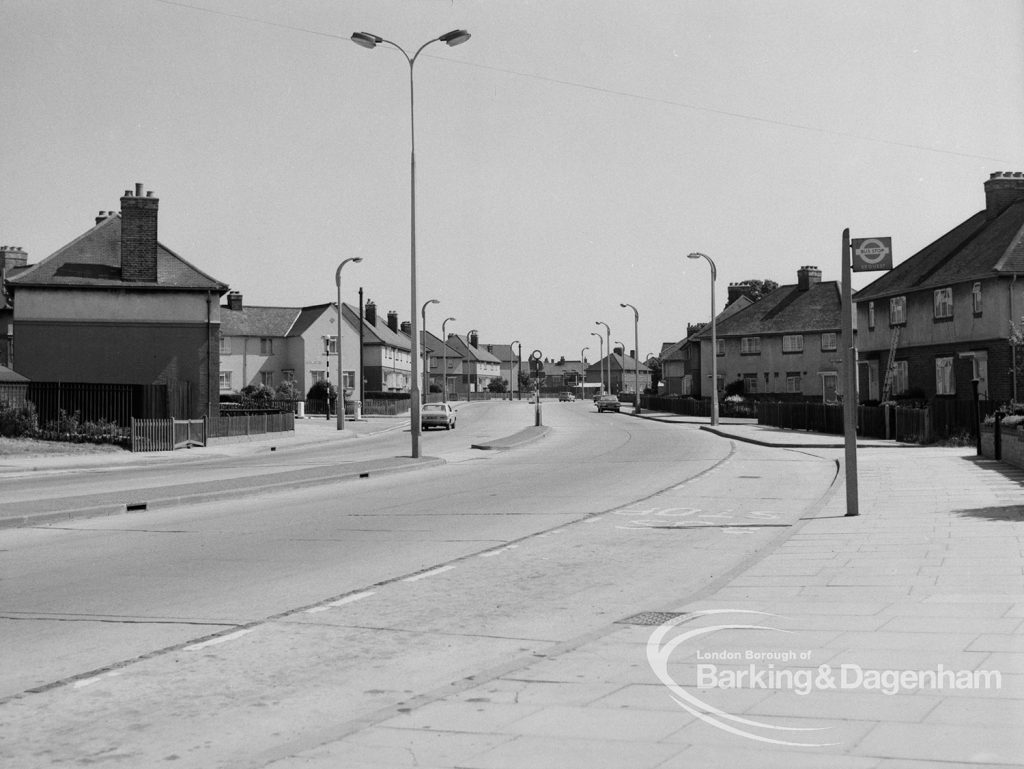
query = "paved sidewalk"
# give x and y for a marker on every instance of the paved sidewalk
(927, 579)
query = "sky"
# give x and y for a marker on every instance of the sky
(568, 156)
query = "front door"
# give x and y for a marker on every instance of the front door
(981, 373)
(829, 385)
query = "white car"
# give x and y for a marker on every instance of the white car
(437, 415)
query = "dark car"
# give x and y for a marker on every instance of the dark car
(607, 403)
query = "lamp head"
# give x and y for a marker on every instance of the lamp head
(357, 259)
(366, 40)
(696, 255)
(455, 37)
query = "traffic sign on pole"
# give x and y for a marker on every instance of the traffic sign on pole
(871, 254)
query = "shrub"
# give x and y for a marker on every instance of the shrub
(322, 390)
(257, 393)
(18, 421)
(288, 390)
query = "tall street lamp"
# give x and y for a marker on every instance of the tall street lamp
(472, 371)
(714, 338)
(583, 366)
(426, 364)
(608, 339)
(519, 373)
(444, 360)
(341, 371)
(367, 40)
(600, 362)
(636, 356)
(514, 341)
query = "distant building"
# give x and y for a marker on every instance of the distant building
(12, 260)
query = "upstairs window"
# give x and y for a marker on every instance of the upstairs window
(721, 348)
(829, 341)
(266, 346)
(750, 345)
(943, 304)
(898, 311)
(976, 298)
(330, 345)
(871, 315)
(793, 343)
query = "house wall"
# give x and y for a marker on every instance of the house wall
(120, 336)
(776, 364)
(925, 338)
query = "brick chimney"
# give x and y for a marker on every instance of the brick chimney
(474, 340)
(138, 236)
(102, 216)
(1002, 189)
(736, 290)
(807, 276)
(406, 327)
(234, 301)
(370, 312)
(11, 258)
(393, 320)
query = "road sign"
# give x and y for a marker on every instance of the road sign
(871, 254)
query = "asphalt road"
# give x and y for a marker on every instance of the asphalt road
(235, 633)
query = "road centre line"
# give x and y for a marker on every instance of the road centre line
(431, 573)
(489, 553)
(218, 640)
(352, 598)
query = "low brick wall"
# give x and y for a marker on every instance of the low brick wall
(1011, 444)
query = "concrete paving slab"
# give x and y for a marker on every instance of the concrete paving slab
(530, 752)
(957, 745)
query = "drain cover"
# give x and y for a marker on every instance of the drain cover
(651, 618)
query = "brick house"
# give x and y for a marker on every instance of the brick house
(12, 260)
(117, 306)
(786, 344)
(270, 345)
(442, 357)
(387, 352)
(681, 361)
(944, 314)
(622, 370)
(479, 367)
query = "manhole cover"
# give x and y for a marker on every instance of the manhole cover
(651, 618)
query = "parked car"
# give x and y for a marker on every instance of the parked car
(566, 396)
(607, 403)
(437, 415)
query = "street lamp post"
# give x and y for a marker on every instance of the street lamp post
(367, 40)
(608, 339)
(519, 373)
(583, 365)
(600, 362)
(472, 371)
(341, 371)
(444, 361)
(636, 356)
(714, 338)
(514, 341)
(423, 333)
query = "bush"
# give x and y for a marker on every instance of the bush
(322, 390)
(734, 388)
(257, 393)
(288, 390)
(18, 421)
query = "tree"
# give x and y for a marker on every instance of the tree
(755, 290)
(654, 365)
(497, 386)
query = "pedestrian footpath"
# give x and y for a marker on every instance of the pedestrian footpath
(888, 640)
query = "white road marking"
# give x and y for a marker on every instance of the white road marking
(90, 681)
(498, 551)
(218, 640)
(431, 573)
(352, 598)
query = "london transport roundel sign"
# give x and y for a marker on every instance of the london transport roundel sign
(871, 254)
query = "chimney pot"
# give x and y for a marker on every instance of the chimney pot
(138, 189)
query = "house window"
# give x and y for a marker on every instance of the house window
(976, 298)
(330, 345)
(750, 383)
(288, 374)
(225, 380)
(266, 346)
(793, 343)
(829, 341)
(900, 378)
(793, 382)
(687, 384)
(750, 345)
(871, 315)
(349, 379)
(897, 310)
(225, 345)
(944, 384)
(721, 348)
(267, 378)
(943, 305)
(317, 376)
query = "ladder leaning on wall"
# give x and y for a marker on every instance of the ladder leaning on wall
(890, 367)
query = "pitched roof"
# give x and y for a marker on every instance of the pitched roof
(309, 315)
(10, 375)
(976, 248)
(93, 260)
(438, 349)
(258, 321)
(379, 332)
(671, 351)
(472, 353)
(786, 310)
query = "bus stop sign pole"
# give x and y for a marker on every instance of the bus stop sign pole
(850, 384)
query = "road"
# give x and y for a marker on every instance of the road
(238, 632)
